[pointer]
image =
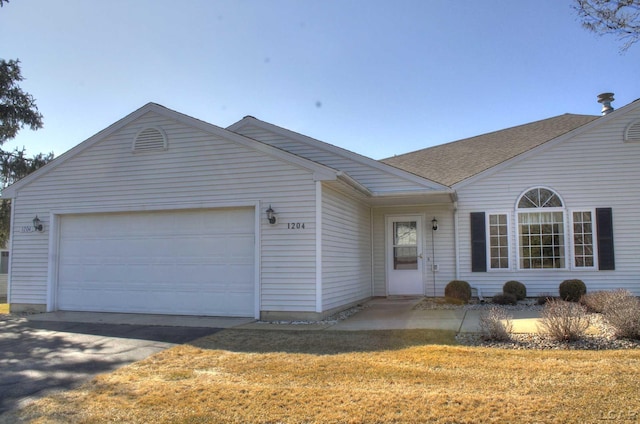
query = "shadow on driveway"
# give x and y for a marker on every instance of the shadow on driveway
(39, 357)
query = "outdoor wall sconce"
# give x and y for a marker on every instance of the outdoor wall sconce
(271, 215)
(434, 224)
(37, 224)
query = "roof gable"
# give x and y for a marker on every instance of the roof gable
(321, 172)
(460, 160)
(378, 177)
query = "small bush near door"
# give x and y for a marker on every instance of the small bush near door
(515, 288)
(572, 290)
(458, 289)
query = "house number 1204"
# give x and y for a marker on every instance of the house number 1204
(295, 225)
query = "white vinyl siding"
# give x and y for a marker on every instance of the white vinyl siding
(199, 169)
(346, 250)
(589, 171)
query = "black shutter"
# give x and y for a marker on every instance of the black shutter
(478, 242)
(604, 222)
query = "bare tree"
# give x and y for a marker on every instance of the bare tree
(616, 17)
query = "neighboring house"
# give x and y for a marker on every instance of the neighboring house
(164, 213)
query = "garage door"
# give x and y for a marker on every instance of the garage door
(196, 262)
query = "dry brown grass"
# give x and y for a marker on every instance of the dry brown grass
(242, 376)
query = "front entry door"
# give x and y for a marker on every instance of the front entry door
(404, 255)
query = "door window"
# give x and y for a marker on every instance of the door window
(405, 245)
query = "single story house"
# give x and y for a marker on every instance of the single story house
(164, 213)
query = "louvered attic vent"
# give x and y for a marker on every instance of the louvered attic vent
(632, 133)
(149, 140)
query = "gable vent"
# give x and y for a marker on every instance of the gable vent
(150, 139)
(632, 133)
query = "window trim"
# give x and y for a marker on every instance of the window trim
(527, 190)
(564, 235)
(594, 240)
(568, 243)
(487, 217)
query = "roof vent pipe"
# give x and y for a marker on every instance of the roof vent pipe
(605, 99)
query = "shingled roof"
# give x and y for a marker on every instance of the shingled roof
(454, 162)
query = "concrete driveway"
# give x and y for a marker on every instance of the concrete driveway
(49, 352)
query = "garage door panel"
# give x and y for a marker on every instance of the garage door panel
(189, 262)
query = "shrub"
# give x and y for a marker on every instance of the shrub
(599, 301)
(572, 290)
(544, 298)
(505, 299)
(516, 288)
(563, 321)
(496, 324)
(458, 289)
(623, 313)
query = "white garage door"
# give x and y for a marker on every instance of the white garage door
(180, 262)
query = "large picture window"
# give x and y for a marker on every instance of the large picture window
(547, 236)
(541, 230)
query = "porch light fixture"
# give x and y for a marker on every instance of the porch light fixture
(37, 224)
(271, 215)
(434, 224)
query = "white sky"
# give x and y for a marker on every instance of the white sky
(375, 77)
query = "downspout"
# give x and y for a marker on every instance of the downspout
(373, 279)
(456, 238)
(319, 247)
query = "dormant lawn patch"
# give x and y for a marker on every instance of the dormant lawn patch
(245, 376)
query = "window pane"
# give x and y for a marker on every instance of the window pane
(405, 233)
(498, 241)
(405, 249)
(405, 258)
(582, 240)
(540, 198)
(541, 238)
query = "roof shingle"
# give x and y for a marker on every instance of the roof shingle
(456, 161)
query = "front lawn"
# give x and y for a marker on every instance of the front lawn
(246, 376)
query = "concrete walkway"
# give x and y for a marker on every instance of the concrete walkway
(399, 313)
(394, 313)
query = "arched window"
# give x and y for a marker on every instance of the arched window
(540, 197)
(541, 232)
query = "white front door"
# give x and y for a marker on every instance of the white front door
(404, 255)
